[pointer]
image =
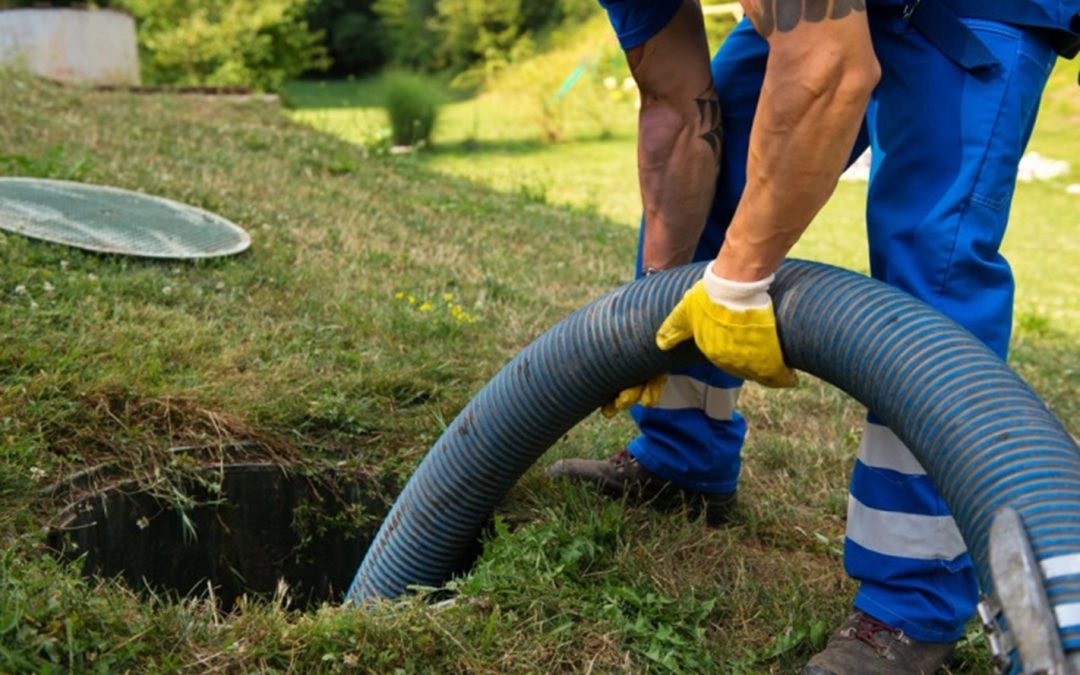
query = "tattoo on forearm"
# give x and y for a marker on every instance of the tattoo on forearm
(785, 15)
(709, 119)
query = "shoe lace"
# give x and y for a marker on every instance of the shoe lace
(867, 628)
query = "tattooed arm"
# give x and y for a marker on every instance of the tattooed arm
(820, 72)
(678, 137)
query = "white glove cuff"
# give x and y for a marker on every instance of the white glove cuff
(737, 295)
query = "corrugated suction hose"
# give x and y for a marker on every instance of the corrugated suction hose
(984, 438)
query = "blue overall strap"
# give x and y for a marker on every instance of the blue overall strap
(942, 28)
(1019, 12)
(939, 22)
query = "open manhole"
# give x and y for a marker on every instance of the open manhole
(251, 525)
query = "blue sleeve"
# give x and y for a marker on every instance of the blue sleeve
(635, 21)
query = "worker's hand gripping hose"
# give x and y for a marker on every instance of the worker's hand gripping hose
(734, 326)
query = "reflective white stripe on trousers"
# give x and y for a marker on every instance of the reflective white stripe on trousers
(904, 535)
(895, 533)
(682, 392)
(882, 449)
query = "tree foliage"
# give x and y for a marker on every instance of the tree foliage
(438, 35)
(353, 34)
(408, 30)
(259, 43)
(471, 31)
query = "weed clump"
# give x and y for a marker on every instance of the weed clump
(446, 310)
(412, 104)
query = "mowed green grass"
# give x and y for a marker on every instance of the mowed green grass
(501, 138)
(497, 139)
(303, 344)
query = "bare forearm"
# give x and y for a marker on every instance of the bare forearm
(811, 107)
(678, 137)
(678, 154)
(798, 148)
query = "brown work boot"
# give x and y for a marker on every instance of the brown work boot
(624, 475)
(866, 646)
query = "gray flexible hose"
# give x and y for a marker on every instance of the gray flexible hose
(985, 439)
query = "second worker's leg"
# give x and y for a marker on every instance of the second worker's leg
(946, 146)
(690, 442)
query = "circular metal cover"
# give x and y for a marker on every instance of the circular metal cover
(110, 220)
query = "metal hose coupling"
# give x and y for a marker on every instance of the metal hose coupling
(1019, 622)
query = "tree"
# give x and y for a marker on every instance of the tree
(354, 36)
(258, 43)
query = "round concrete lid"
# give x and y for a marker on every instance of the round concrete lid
(110, 220)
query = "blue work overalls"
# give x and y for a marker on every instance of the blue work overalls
(946, 138)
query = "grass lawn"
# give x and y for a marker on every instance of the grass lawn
(308, 348)
(497, 139)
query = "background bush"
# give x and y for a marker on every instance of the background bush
(259, 43)
(412, 105)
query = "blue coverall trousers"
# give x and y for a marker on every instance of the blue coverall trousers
(945, 145)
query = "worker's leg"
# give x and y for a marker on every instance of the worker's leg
(694, 435)
(946, 144)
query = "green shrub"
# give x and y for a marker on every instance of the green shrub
(257, 43)
(412, 104)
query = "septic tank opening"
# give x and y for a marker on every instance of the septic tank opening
(251, 525)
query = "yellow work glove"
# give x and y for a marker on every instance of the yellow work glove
(733, 325)
(648, 394)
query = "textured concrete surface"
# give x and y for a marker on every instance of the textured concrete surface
(76, 46)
